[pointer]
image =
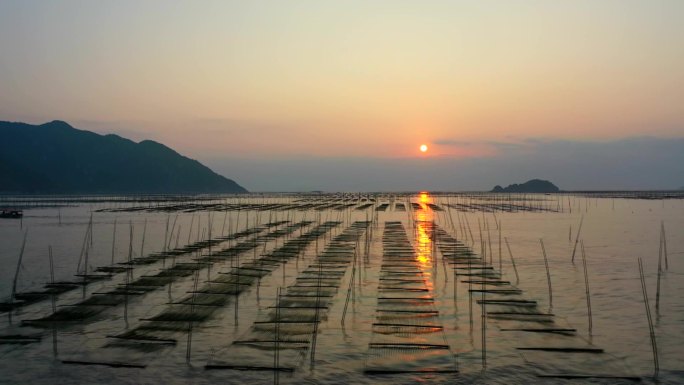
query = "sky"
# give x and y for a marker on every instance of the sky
(339, 95)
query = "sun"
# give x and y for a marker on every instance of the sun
(423, 148)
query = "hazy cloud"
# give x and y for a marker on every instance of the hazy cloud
(633, 163)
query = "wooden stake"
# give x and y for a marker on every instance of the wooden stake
(586, 286)
(515, 269)
(574, 249)
(654, 346)
(548, 273)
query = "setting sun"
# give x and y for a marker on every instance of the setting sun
(423, 148)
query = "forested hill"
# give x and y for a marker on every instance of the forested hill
(55, 158)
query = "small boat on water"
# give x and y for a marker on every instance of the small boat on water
(5, 213)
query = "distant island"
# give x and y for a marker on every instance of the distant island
(531, 186)
(55, 158)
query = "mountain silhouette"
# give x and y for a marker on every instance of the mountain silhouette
(531, 186)
(55, 158)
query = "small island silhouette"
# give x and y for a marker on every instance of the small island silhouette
(531, 186)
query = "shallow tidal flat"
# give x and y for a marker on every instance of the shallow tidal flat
(342, 288)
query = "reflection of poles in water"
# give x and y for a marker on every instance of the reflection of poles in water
(515, 269)
(579, 231)
(470, 295)
(586, 286)
(166, 233)
(16, 276)
(168, 244)
(276, 350)
(483, 306)
(489, 241)
(237, 287)
(460, 229)
(451, 219)
(470, 231)
(142, 243)
(350, 288)
(129, 273)
(454, 259)
(113, 243)
(662, 231)
(188, 351)
(500, 262)
(660, 269)
(548, 274)
(483, 247)
(84, 252)
(192, 220)
(654, 346)
(317, 313)
(173, 257)
(433, 250)
(53, 299)
(223, 228)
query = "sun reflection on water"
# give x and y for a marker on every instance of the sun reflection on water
(424, 246)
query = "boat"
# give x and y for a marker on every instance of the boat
(4, 213)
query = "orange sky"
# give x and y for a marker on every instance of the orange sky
(346, 79)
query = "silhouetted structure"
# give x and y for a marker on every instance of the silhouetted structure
(531, 186)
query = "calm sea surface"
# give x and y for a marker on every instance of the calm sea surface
(413, 251)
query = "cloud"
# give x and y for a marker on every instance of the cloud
(486, 148)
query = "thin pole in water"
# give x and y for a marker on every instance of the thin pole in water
(483, 306)
(548, 273)
(53, 299)
(276, 351)
(188, 351)
(500, 262)
(660, 270)
(129, 273)
(662, 231)
(113, 242)
(166, 232)
(579, 230)
(654, 346)
(586, 286)
(142, 244)
(515, 269)
(16, 273)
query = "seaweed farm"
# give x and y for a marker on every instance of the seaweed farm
(344, 288)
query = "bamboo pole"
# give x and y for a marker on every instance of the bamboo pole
(142, 244)
(660, 270)
(500, 262)
(579, 230)
(654, 345)
(113, 242)
(53, 300)
(276, 350)
(16, 272)
(515, 269)
(662, 231)
(483, 307)
(129, 274)
(188, 350)
(548, 273)
(586, 286)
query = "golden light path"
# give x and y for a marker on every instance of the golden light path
(424, 246)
